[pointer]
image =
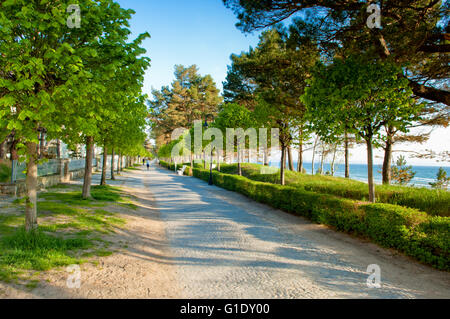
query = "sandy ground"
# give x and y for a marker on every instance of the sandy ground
(141, 267)
(191, 240)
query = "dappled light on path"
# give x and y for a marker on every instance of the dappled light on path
(227, 246)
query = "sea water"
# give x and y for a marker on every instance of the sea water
(424, 174)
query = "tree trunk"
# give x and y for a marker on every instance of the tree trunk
(13, 151)
(118, 163)
(370, 170)
(300, 158)
(347, 156)
(105, 160)
(113, 155)
(41, 144)
(88, 168)
(322, 159)
(58, 149)
(31, 183)
(291, 161)
(283, 163)
(386, 172)
(333, 161)
(3, 152)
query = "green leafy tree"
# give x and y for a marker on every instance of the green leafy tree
(55, 78)
(362, 94)
(414, 31)
(116, 67)
(279, 67)
(235, 116)
(41, 60)
(190, 98)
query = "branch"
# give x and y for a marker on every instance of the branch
(430, 93)
(435, 48)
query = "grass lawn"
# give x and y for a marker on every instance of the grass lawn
(132, 168)
(431, 201)
(70, 231)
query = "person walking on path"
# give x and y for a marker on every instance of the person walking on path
(148, 165)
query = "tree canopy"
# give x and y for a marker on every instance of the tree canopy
(363, 96)
(72, 82)
(191, 97)
(414, 31)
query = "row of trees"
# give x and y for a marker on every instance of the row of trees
(82, 85)
(369, 83)
(412, 31)
(414, 35)
(329, 77)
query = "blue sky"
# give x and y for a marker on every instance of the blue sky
(200, 32)
(203, 32)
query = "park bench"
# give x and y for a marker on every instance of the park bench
(181, 170)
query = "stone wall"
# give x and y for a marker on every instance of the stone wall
(19, 188)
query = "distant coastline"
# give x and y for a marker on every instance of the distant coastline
(424, 174)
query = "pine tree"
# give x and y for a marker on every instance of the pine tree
(442, 181)
(401, 173)
(191, 97)
(413, 31)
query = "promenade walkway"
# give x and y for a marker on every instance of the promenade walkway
(228, 246)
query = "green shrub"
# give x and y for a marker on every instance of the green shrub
(415, 233)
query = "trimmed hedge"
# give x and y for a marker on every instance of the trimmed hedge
(172, 167)
(431, 201)
(415, 233)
